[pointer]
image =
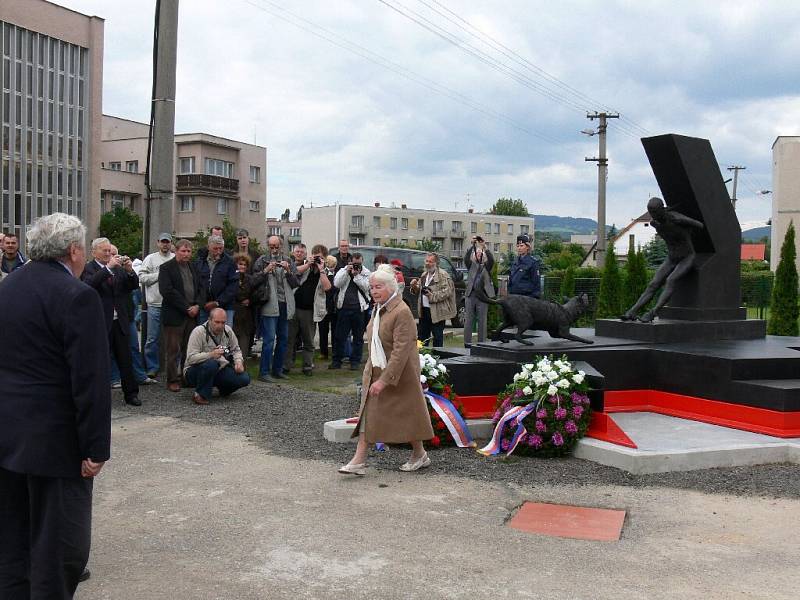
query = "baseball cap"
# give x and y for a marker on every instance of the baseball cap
(164, 236)
(524, 239)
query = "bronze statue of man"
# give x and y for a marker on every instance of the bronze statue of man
(676, 230)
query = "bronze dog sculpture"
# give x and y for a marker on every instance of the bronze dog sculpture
(531, 313)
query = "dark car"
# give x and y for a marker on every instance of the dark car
(412, 265)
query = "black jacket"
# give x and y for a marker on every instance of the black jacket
(223, 284)
(55, 405)
(114, 292)
(174, 306)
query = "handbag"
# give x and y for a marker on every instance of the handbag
(260, 294)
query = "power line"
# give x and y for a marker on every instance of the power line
(342, 42)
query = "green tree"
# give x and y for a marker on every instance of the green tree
(784, 311)
(124, 228)
(635, 277)
(389, 244)
(228, 234)
(568, 282)
(655, 252)
(609, 299)
(428, 245)
(509, 207)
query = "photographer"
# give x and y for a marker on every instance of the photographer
(278, 277)
(353, 284)
(479, 262)
(437, 301)
(214, 359)
(309, 302)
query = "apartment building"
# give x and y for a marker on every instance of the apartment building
(51, 107)
(380, 226)
(215, 177)
(289, 231)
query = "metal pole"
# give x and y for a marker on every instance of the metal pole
(602, 174)
(162, 176)
(735, 169)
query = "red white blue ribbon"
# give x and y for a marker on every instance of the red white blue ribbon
(514, 416)
(452, 419)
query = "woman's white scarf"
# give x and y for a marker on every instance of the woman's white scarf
(376, 353)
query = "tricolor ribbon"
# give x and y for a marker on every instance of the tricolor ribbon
(452, 419)
(514, 416)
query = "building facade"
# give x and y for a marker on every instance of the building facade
(215, 177)
(785, 195)
(380, 226)
(289, 231)
(51, 107)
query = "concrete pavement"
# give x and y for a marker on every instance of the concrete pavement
(186, 510)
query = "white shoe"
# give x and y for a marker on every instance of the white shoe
(116, 385)
(149, 381)
(351, 469)
(421, 463)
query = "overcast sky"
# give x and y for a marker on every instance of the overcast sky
(443, 126)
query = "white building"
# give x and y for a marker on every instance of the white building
(785, 194)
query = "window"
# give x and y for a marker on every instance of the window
(404, 241)
(393, 242)
(420, 224)
(357, 221)
(404, 223)
(497, 228)
(473, 227)
(117, 200)
(510, 229)
(115, 166)
(376, 241)
(456, 227)
(220, 168)
(524, 229)
(458, 245)
(255, 205)
(294, 232)
(222, 206)
(275, 230)
(487, 228)
(186, 203)
(186, 165)
(438, 226)
(393, 223)
(132, 166)
(255, 174)
(497, 246)
(355, 241)
(376, 221)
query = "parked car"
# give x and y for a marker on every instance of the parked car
(412, 265)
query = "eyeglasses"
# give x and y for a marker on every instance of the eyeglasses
(271, 246)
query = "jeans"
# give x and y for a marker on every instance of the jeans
(136, 359)
(207, 375)
(137, 305)
(348, 320)
(151, 345)
(475, 308)
(426, 328)
(175, 339)
(303, 326)
(272, 329)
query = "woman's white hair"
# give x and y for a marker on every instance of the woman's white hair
(385, 274)
(51, 237)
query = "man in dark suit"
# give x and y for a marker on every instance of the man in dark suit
(220, 280)
(114, 279)
(181, 288)
(55, 414)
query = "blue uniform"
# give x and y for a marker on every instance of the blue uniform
(524, 279)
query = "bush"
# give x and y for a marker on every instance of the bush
(784, 311)
(635, 277)
(124, 228)
(609, 301)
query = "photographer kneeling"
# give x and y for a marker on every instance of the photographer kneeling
(214, 359)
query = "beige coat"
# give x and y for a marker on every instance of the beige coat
(400, 413)
(442, 296)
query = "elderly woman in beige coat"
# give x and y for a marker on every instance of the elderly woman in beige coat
(393, 409)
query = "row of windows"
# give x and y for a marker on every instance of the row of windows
(131, 166)
(187, 204)
(50, 148)
(457, 246)
(438, 225)
(37, 48)
(213, 166)
(34, 206)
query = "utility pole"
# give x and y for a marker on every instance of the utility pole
(602, 173)
(160, 208)
(735, 169)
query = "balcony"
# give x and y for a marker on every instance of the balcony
(458, 235)
(359, 230)
(207, 183)
(293, 238)
(438, 234)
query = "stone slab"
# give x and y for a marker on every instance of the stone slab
(664, 331)
(667, 444)
(576, 522)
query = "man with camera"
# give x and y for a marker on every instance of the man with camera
(436, 303)
(277, 277)
(352, 282)
(113, 278)
(214, 359)
(309, 302)
(479, 262)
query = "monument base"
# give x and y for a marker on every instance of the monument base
(667, 331)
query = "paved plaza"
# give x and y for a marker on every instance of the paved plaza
(226, 502)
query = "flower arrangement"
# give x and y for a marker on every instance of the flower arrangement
(556, 410)
(433, 377)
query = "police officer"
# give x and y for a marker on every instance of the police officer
(524, 279)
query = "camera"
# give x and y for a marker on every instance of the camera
(317, 260)
(425, 290)
(479, 239)
(357, 267)
(227, 354)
